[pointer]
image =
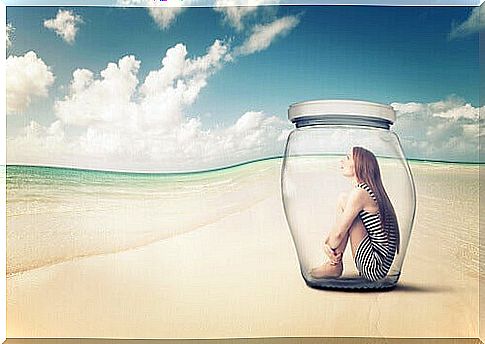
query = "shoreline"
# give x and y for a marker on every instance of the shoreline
(225, 167)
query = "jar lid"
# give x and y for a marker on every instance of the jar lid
(315, 108)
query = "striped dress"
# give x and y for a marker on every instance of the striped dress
(376, 251)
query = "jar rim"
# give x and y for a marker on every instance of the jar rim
(340, 107)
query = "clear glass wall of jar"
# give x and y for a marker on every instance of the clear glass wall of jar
(314, 188)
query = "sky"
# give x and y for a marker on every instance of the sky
(173, 89)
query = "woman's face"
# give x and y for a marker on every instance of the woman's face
(347, 165)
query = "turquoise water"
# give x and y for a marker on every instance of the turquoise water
(18, 175)
(34, 183)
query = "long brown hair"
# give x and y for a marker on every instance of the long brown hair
(367, 171)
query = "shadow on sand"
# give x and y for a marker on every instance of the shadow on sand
(409, 287)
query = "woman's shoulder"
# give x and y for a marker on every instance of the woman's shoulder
(358, 196)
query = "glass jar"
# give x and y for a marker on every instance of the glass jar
(345, 182)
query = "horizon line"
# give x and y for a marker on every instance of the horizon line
(217, 168)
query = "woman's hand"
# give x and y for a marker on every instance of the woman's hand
(334, 256)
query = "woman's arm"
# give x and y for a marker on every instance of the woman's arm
(354, 204)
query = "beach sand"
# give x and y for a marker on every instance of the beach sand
(238, 276)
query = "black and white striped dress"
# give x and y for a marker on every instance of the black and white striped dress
(376, 251)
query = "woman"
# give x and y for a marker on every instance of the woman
(367, 217)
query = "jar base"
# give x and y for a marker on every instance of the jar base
(352, 283)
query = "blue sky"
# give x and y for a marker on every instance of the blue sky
(387, 54)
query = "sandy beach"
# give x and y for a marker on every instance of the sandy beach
(235, 273)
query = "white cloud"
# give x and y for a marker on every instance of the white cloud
(99, 101)
(164, 14)
(452, 107)
(9, 31)
(443, 130)
(116, 122)
(263, 35)
(235, 11)
(64, 25)
(27, 76)
(471, 25)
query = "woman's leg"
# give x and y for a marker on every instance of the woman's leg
(356, 233)
(330, 269)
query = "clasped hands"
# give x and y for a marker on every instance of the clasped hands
(334, 256)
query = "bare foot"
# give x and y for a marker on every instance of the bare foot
(328, 270)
